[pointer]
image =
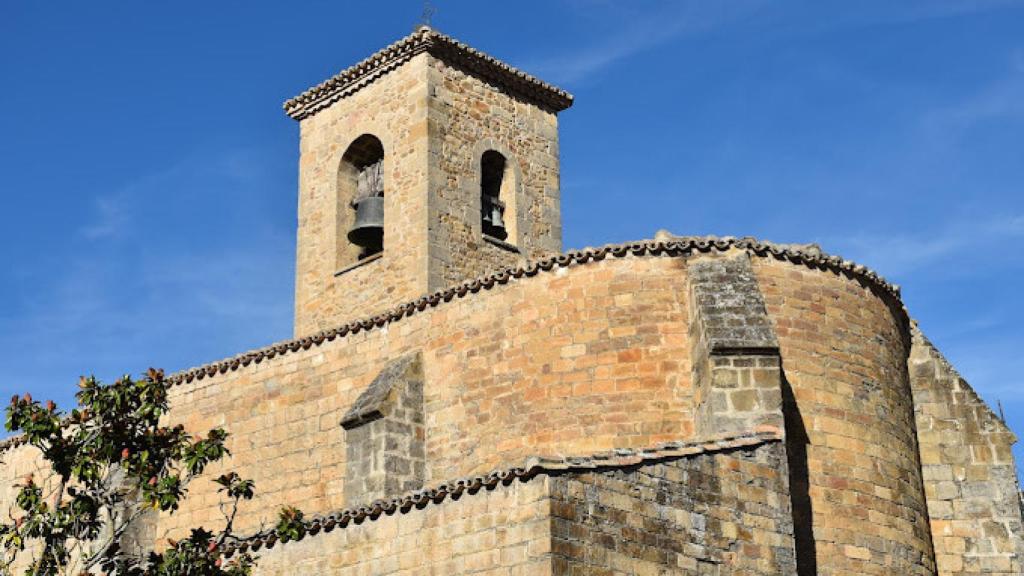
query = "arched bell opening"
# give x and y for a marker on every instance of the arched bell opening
(497, 197)
(361, 200)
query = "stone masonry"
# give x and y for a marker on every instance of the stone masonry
(384, 434)
(736, 354)
(692, 516)
(464, 404)
(970, 477)
(436, 106)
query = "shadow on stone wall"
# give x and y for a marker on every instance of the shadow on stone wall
(799, 483)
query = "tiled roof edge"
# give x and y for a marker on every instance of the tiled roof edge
(424, 39)
(533, 467)
(11, 443)
(675, 246)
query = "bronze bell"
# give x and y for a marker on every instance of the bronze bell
(368, 229)
(493, 217)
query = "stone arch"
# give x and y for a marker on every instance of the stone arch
(497, 173)
(363, 156)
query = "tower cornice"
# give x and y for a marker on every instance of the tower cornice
(441, 46)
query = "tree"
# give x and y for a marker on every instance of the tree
(110, 461)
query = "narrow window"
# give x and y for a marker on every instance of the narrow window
(361, 201)
(497, 191)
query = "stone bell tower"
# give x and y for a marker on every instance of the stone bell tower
(424, 165)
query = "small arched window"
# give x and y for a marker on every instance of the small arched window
(361, 200)
(497, 196)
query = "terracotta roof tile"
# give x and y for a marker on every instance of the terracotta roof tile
(533, 467)
(676, 246)
(426, 39)
(673, 246)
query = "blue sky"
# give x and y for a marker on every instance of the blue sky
(148, 174)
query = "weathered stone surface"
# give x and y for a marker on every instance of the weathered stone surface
(590, 360)
(737, 369)
(849, 409)
(970, 477)
(595, 357)
(399, 380)
(384, 434)
(731, 312)
(504, 531)
(722, 513)
(435, 121)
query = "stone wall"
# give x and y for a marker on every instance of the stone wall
(968, 468)
(384, 434)
(435, 122)
(582, 357)
(722, 513)
(467, 118)
(393, 108)
(713, 507)
(593, 357)
(844, 348)
(506, 530)
(16, 463)
(580, 360)
(736, 354)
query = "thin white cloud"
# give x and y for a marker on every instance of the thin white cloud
(165, 312)
(931, 9)
(638, 27)
(628, 29)
(939, 134)
(185, 269)
(900, 254)
(236, 171)
(812, 17)
(1002, 99)
(110, 219)
(113, 212)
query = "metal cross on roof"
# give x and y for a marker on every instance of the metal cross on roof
(428, 12)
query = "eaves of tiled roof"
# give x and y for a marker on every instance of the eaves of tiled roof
(673, 246)
(446, 48)
(532, 468)
(677, 246)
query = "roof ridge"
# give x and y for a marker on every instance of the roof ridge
(808, 255)
(423, 39)
(532, 467)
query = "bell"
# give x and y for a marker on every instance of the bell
(494, 224)
(368, 229)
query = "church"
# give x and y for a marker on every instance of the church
(462, 396)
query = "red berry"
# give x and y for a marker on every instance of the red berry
(125, 454)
